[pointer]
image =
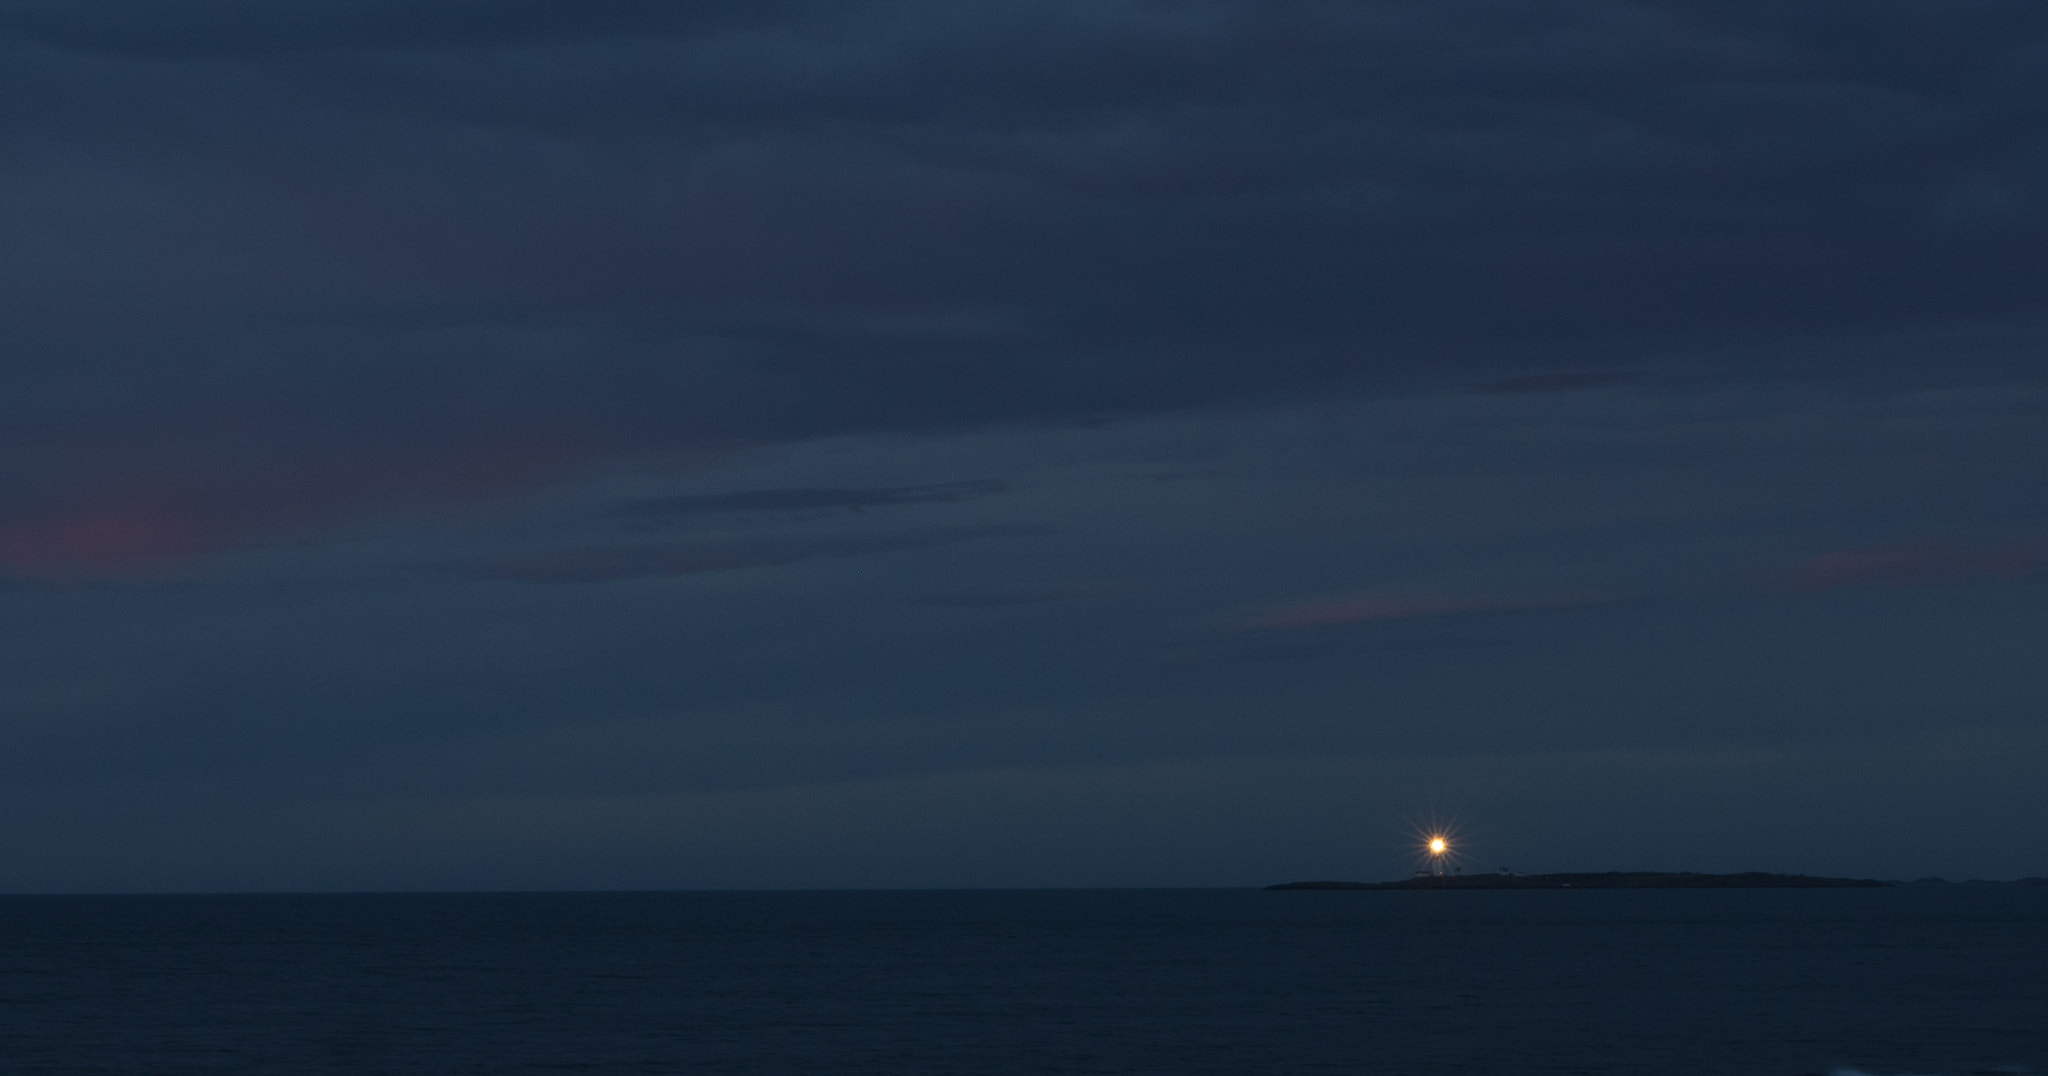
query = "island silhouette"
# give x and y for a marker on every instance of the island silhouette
(1604, 880)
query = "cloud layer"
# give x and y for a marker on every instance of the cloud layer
(792, 424)
(608, 564)
(1917, 562)
(388, 240)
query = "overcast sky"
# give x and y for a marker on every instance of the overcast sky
(620, 443)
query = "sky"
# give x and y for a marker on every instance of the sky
(585, 444)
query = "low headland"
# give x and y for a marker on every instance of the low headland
(1606, 880)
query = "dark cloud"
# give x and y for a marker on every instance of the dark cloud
(651, 511)
(653, 224)
(1362, 609)
(608, 564)
(212, 28)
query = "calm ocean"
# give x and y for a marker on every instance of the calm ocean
(1946, 980)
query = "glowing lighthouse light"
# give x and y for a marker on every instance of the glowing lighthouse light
(1437, 848)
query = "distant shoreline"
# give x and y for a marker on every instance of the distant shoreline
(1607, 880)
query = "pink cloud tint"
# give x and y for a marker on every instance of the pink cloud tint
(139, 506)
(1371, 607)
(1915, 562)
(95, 541)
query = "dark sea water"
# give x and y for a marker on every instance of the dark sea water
(1924, 980)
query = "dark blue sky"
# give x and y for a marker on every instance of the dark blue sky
(545, 444)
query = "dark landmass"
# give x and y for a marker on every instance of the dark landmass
(1976, 881)
(1608, 880)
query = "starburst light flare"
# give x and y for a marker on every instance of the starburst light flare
(1438, 849)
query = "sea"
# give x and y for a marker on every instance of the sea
(1949, 979)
